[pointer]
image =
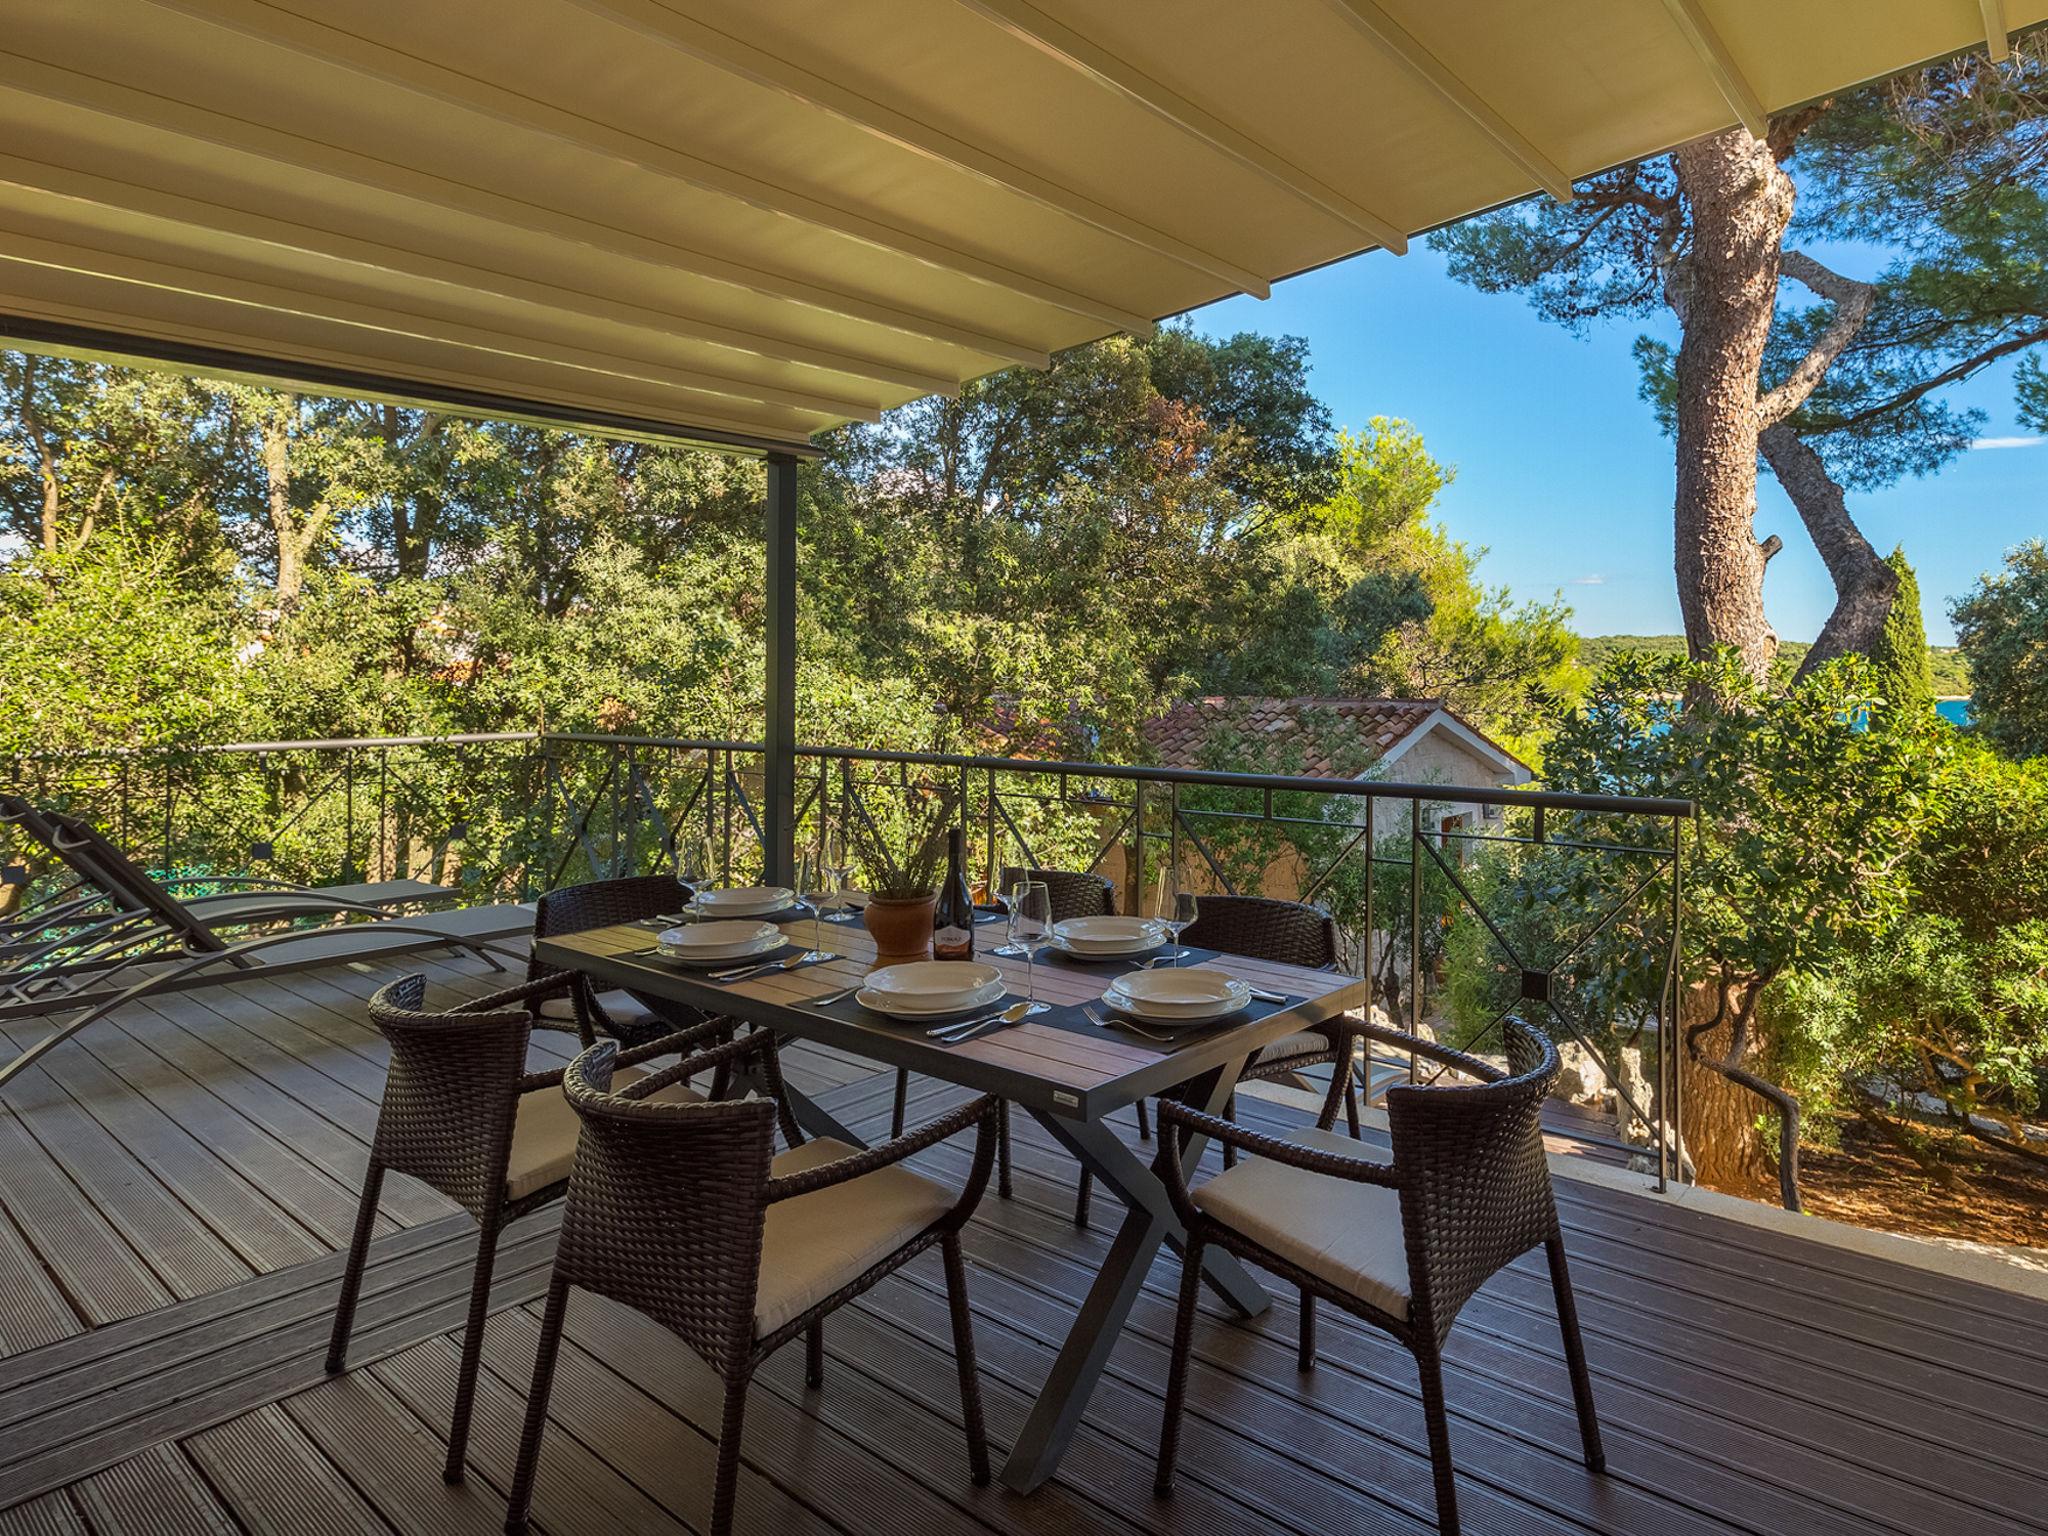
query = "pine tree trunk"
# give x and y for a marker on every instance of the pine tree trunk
(1720, 1116)
(1864, 584)
(1725, 292)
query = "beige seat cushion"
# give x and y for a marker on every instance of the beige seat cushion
(1348, 1234)
(817, 1243)
(544, 1135)
(625, 1010)
(1310, 1042)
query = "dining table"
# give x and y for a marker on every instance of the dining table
(1060, 1066)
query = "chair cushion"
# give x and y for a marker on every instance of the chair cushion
(1346, 1233)
(817, 1243)
(624, 1009)
(544, 1135)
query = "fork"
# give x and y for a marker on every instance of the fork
(749, 972)
(1101, 1023)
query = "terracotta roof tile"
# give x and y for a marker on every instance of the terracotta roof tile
(1314, 736)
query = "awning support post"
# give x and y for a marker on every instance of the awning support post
(778, 825)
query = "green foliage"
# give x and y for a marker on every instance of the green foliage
(1948, 671)
(107, 645)
(1899, 667)
(1810, 803)
(2002, 627)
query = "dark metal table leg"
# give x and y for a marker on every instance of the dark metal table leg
(810, 1114)
(1149, 1222)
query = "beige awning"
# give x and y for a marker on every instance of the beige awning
(749, 220)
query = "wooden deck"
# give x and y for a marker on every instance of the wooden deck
(174, 1183)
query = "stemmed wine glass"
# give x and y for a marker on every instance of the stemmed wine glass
(1176, 909)
(1030, 931)
(1006, 898)
(812, 893)
(693, 867)
(838, 867)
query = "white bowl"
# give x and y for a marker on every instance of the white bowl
(933, 981)
(1109, 935)
(742, 900)
(902, 1006)
(709, 942)
(1197, 994)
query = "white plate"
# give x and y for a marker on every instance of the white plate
(1109, 935)
(1173, 996)
(753, 939)
(742, 901)
(899, 1006)
(933, 981)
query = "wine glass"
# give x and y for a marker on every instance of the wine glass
(1174, 908)
(693, 868)
(1030, 931)
(812, 892)
(1006, 898)
(838, 866)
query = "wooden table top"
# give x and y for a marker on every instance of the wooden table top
(1038, 1065)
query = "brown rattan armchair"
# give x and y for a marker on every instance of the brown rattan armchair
(685, 1213)
(1071, 893)
(1401, 1244)
(629, 1017)
(463, 1115)
(625, 1016)
(1292, 933)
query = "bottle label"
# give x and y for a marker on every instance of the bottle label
(956, 940)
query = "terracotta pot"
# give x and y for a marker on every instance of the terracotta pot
(901, 926)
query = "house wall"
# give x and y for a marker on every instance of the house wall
(1436, 758)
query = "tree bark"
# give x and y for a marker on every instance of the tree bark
(296, 535)
(1725, 292)
(1864, 584)
(48, 482)
(1720, 1117)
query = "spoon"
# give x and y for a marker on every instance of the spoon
(953, 1034)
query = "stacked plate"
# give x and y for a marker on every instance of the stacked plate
(1107, 938)
(741, 901)
(719, 943)
(1177, 998)
(931, 989)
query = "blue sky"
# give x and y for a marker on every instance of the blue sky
(1563, 474)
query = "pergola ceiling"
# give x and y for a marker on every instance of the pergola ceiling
(745, 221)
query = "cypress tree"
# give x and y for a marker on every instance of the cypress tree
(1904, 676)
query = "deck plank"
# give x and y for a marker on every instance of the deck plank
(33, 1311)
(273, 1478)
(158, 1491)
(98, 1272)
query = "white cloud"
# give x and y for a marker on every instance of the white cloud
(1593, 579)
(2009, 442)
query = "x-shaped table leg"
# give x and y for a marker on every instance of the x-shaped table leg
(1149, 1221)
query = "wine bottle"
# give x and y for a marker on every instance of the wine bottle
(953, 916)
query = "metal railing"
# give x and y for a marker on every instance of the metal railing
(1438, 889)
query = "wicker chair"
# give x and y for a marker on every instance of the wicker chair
(463, 1115)
(685, 1213)
(1072, 894)
(1293, 933)
(627, 1018)
(1401, 1244)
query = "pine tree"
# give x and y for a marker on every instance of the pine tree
(1904, 676)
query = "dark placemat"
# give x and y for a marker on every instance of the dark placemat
(1068, 1017)
(1121, 963)
(704, 970)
